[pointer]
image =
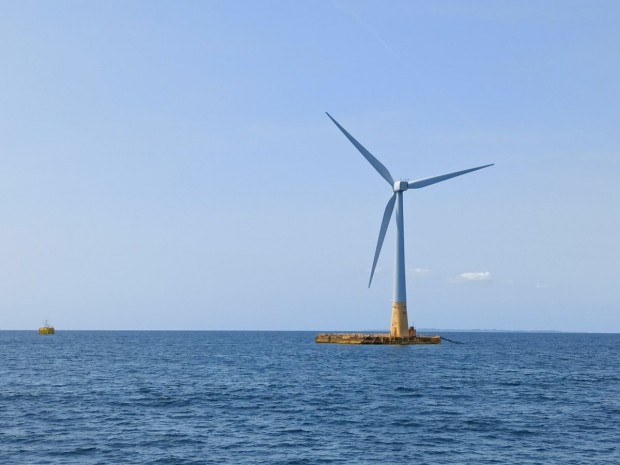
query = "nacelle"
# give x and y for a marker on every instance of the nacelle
(400, 186)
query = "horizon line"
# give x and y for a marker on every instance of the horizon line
(474, 330)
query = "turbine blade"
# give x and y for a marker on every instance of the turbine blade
(383, 171)
(389, 208)
(435, 179)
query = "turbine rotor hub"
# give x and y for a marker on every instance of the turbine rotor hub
(400, 186)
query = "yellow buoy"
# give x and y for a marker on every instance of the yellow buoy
(47, 329)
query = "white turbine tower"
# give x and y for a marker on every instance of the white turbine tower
(400, 325)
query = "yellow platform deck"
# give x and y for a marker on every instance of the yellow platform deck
(382, 338)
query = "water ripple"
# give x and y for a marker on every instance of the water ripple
(93, 398)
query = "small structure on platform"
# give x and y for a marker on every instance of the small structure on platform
(400, 331)
(47, 328)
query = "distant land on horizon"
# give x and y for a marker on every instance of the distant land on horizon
(429, 330)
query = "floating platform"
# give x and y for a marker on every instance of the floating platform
(383, 338)
(47, 329)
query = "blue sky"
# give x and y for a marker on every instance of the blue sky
(168, 165)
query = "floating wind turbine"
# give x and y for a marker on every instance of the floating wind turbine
(399, 327)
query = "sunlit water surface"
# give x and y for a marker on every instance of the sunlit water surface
(279, 398)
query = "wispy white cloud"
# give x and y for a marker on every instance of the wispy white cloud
(420, 272)
(541, 286)
(475, 276)
(415, 70)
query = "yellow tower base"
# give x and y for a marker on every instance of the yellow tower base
(400, 325)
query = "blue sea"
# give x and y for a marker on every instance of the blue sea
(124, 397)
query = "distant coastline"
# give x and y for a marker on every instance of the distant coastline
(497, 330)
